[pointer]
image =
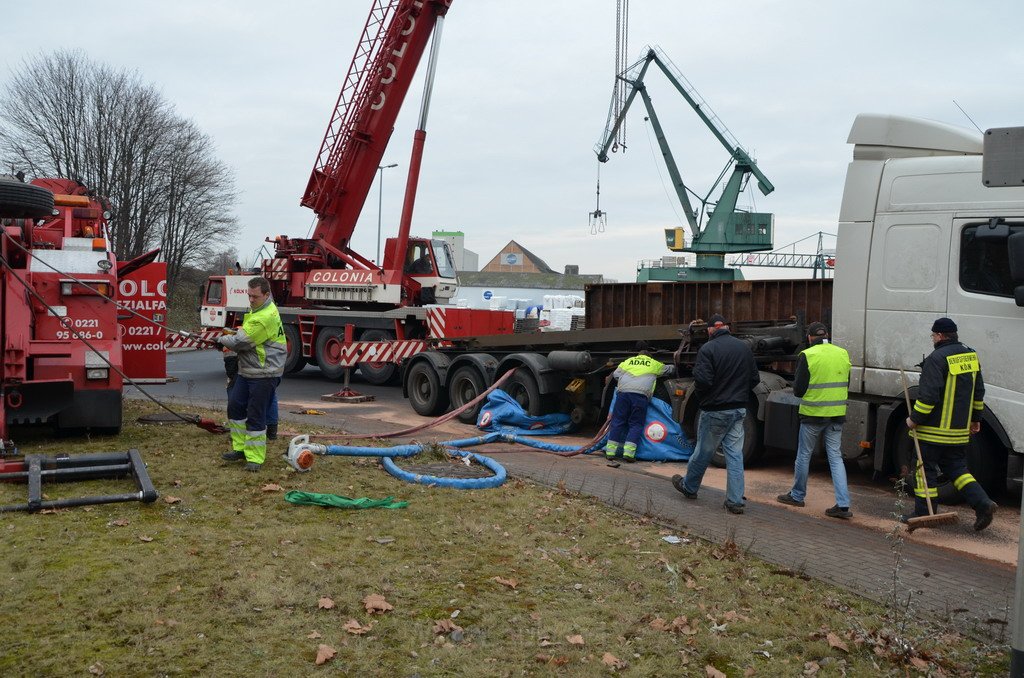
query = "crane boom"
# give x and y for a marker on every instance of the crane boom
(390, 49)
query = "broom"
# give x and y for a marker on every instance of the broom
(933, 518)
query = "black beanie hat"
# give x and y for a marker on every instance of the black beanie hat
(944, 325)
(716, 319)
(817, 330)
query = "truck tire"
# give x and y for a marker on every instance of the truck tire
(294, 362)
(379, 374)
(522, 387)
(466, 384)
(329, 345)
(24, 201)
(752, 447)
(426, 395)
(986, 460)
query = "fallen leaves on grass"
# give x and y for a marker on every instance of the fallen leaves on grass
(324, 653)
(145, 538)
(168, 499)
(120, 522)
(713, 672)
(610, 660)
(271, 487)
(511, 583)
(313, 635)
(574, 640)
(97, 669)
(444, 626)
(355, 628)
(680, 625)
(548, 659)
(325, 603)
(375, 604)
(919, 663)
(811, 668)
(835, 642)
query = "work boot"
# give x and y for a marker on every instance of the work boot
(734, 508)
(983, 516)
(233, 456)
(838, 511)
(788, 499)
(677, 482)
(271, 431)
(253, 467)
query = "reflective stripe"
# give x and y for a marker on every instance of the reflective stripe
(963, 480)
(942, 436)
(833, 384)
(827, 403)
(629, 450)
(919, 486)
(256, 446)
(948, 401)
(978, 405)
(922, 408)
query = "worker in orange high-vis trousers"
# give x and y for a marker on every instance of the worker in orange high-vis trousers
(637, 377)
(262, 349)
(950, 402)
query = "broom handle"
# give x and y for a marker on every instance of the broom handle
(917, 446)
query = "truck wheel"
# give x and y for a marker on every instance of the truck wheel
(465, 385)
(294, 361)
(426, 395)
(24, 201)
(751, 441)
(379, 374)
(905, 460)
(986, 460)
(522, 387)
(329, 350)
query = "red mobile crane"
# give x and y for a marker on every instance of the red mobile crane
(339, 308)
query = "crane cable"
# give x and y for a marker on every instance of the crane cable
(621, 55)
(203, 423)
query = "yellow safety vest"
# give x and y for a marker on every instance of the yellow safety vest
(827, 390)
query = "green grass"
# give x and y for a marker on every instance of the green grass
(230, 582)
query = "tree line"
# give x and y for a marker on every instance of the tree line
(63, 115)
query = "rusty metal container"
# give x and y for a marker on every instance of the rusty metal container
(677, 303)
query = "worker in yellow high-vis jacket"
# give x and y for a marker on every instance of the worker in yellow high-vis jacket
(950, 402)
(262, 349)
(637, 377)
(821, 382)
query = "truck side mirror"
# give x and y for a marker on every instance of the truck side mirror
(995, 229)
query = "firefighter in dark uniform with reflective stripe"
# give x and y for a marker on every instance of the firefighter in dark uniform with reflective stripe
(950, 401)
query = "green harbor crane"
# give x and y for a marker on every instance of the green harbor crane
(718, 227)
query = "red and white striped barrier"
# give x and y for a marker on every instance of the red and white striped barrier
(194, 341)
(378, 351)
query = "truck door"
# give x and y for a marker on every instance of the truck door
(981, 302)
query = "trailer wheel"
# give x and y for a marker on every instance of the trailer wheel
(426, 395)
(379, 374)
(465, 385)
(294, 361)
(24, 201)
(329, 351)
(752, 447)
(522, 387)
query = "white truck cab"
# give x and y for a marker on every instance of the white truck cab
(921, 237)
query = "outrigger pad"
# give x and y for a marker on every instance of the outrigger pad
(65, 467)
(347, 395)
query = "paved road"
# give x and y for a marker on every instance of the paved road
(948, 569)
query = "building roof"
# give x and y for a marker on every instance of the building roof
(548, 281)
(537, 261)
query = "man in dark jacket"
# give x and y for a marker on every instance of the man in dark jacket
(724, 375)
(821, 382)
(950, 402)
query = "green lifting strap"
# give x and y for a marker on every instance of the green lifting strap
(338, 501)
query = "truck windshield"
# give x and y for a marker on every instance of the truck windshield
(985, 263)
(443, 255)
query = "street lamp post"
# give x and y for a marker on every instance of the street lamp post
(380, 202)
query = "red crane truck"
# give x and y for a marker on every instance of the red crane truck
(59, 309)
(339, 308)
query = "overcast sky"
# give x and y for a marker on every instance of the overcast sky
(522, 95)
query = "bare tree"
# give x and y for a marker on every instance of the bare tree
(67, 116)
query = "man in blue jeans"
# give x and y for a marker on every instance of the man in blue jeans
(821, 382)
(724, 375)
